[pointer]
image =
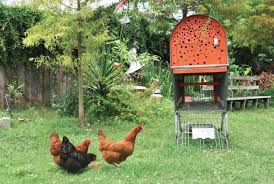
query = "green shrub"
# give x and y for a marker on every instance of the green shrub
(3, 113)
(121, 104)
(14, 22)
(118, 103)
(102, 73)
(239, 70)
(268, 92)
(124, 105)
(14, 96)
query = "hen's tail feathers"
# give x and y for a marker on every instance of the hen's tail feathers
(92, 157)
(65, 140)
(101, 134)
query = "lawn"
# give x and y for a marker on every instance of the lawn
(25, 158)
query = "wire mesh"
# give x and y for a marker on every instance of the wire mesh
(198, 93)
(204, 129)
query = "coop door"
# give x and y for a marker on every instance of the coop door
(203, 133)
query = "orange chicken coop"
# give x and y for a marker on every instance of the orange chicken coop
(199, 65)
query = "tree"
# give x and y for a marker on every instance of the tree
(73, 33)
(14, 21)
(250, 23)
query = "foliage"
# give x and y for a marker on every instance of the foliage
(142, 32)
(150, 37)
(15, 90)
(14, 94)
(240, 18)
(59, 33)
(239, 70)
(119, 103)
(4, 113)
(268, 92)
(266, 80)
(160, 76)
(74, 34)
(249, 23)
(145, 58)
(14, 21)
(104, 73)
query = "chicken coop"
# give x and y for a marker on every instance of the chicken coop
(199, 65)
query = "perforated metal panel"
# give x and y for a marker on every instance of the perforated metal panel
(198, 45)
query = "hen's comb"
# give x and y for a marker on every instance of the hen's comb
(87, 141)
(139, 126)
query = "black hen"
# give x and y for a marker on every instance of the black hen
(73, 160)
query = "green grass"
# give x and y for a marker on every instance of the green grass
(25, 157)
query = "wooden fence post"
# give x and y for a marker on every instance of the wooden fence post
(59, 78)
(46, 87)
(21, 81)
(40, 86)
(37, 83)
(28, 80)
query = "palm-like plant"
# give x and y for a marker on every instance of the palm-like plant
(103, 74)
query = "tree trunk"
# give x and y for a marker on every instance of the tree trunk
(80, 77)
(81, 97)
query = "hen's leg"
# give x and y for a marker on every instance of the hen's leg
(115, 164)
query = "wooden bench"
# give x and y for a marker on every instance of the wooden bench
(238, 84)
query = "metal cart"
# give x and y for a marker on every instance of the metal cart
(199, 65)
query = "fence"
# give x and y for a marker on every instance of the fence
(39, 84)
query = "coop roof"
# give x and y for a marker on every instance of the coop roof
(198, 45)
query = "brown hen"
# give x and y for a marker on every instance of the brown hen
(116, 152)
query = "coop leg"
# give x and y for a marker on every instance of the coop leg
(230, 105)
(178, 128)
(222, 123)
(226, 132)
(177, 124)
